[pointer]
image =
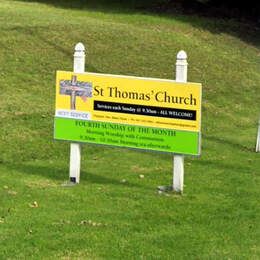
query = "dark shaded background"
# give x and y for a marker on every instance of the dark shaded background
(242, 10)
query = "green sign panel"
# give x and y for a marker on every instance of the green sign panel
(132, 136)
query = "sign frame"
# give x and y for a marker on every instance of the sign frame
(79, 114)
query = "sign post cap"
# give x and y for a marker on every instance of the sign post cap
(182, 55)
(79, 47)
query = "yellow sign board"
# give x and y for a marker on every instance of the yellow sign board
(129, 100)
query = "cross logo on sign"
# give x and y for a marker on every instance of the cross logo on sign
(74, 88)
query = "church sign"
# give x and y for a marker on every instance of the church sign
(124, 111)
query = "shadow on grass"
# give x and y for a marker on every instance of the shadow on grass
(61, 175)
(234, 145)
(224, 165)
(38, 33)
(248, 32)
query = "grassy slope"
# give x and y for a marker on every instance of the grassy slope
(218, 215)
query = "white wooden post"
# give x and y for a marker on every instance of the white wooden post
(257, 149)
(178, 160)
(75, 149)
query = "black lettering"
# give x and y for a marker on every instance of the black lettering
(158, 96)
(98, 91)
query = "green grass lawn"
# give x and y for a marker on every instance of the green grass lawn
(113, 213)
